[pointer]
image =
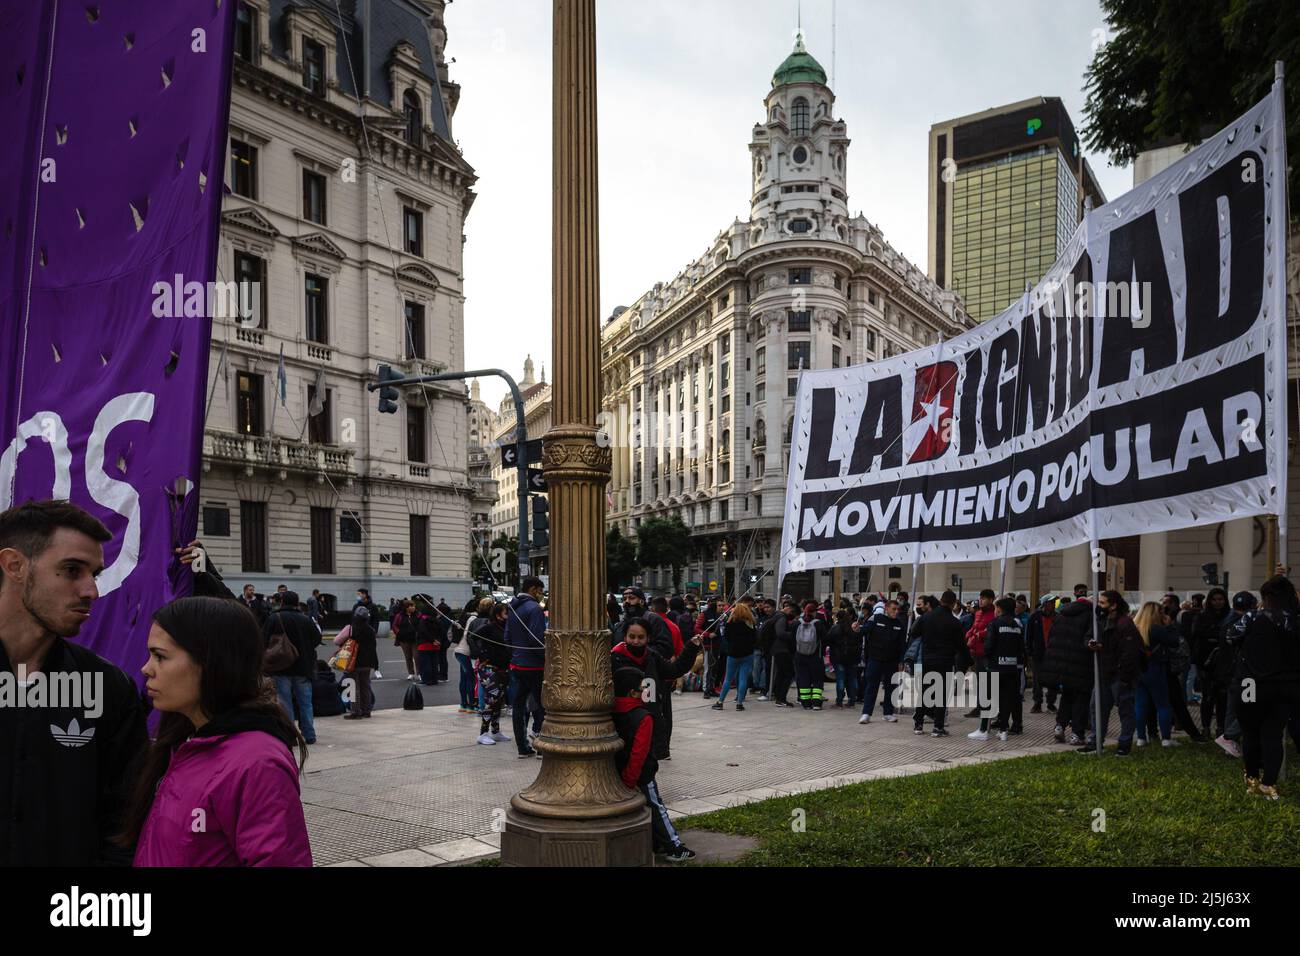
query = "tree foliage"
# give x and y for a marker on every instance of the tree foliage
(664, 543)
(620, 559)
(492, 567)
(1179, 71)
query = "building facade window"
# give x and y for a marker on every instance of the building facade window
(791, 387)
(248, 403)
(799, 321)
(243, 169)
(216, 521)
(760, 362)
(799, 355)
(800, 277)
(760, 393)
(250, 274)
(318, 425)
(315, 288)
(419, 545)
(413, 316)
(313, 66)
(415, 429)
(835, 356)
(350, 528)
(246, 33)
(413, 231)
(313, 197)
(252, 537)
(799, 117)
(414, 114)
(322, 540)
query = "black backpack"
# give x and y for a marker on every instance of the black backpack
(326, 701)
(413, 700)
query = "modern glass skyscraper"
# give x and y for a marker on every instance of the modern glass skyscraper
(1004, 199)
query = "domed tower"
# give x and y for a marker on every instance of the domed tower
(799, 156)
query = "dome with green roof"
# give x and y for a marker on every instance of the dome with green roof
(799, 67)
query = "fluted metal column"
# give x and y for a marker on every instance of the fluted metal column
(577, 812)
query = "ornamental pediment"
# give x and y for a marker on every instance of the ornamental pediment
(319, 243)
(250, 219)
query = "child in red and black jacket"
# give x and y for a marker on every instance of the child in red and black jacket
(636, 762)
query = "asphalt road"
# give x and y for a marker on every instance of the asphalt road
(391, 687)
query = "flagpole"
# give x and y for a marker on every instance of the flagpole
(1282, 216)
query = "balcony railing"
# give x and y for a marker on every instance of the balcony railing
(279, 453)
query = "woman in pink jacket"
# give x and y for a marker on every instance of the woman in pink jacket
(219, 786)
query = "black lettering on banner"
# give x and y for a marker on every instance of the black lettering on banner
(821, 432)
(1081, 332)
(968, 421)
(1183, 440)
(1136, 262)
(1061, 352)
(1035, 370)
(1198, 208)
(998, 398)
(881, 427)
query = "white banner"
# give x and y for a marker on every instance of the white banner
(1141, 386)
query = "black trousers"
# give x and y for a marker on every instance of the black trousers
(1010, 705)
(782, 675)
(663, 729)
(1039, 687)
(1263, 725)
(1072, 711)
(1214, 700)
(937, 714)
(528, 697)
(1178, 704)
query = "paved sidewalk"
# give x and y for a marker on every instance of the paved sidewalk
(412, 788)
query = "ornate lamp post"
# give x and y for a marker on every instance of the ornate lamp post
(577, 812)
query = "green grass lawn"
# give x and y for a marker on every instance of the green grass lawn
(1179, 806)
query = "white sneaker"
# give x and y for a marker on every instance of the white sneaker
(1168, 743)
(978, 735)
(1140, 741)
(1002, 735)
(891, 719)
(410, 677)
(378, 676)
(864, 719)
(762, 697)
(486, 739)
(498, 737)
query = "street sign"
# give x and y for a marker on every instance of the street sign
(693, 584)
(536, 481)
(713, 585)
(532, 452)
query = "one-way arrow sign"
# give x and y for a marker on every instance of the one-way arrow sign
(536, 481)
(510, 456)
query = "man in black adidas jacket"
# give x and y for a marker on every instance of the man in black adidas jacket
(66, 763)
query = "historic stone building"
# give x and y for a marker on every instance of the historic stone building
(481, 420)
(699, 372)
(347, 196)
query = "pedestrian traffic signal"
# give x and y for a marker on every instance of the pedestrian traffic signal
(387, 393)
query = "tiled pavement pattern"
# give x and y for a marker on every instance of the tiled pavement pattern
(412, 788)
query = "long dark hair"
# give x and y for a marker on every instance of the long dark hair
(1279, 594)
(223, 638)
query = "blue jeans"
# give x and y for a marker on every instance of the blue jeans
(289, 689)
(1122, 697)
(1153, 694)
(467, 696)
(879, 672)
(758, 671)
(737, 673)
(846, 678)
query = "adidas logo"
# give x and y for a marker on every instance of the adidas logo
(74, 736)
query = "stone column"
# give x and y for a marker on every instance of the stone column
(1076, 567)
(1238, 554)
(1153, 572)
(935, 576)
(577, 812)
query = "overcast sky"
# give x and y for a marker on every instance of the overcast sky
(681, 84)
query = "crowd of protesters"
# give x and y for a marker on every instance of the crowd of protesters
(231, 680)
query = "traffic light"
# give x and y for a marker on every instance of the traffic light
(541, 518)
(387, 393)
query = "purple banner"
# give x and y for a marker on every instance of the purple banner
(116, 117)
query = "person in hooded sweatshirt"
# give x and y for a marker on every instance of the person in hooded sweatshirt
(525, 634)
(1067, 663)
(636, 763)
(637, 650)
(978, 633)
(219, 786)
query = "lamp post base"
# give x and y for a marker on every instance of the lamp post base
(546, 841)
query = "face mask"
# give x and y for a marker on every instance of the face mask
(634, 610)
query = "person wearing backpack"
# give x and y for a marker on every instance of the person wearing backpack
(291, 640)
(809, 648)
